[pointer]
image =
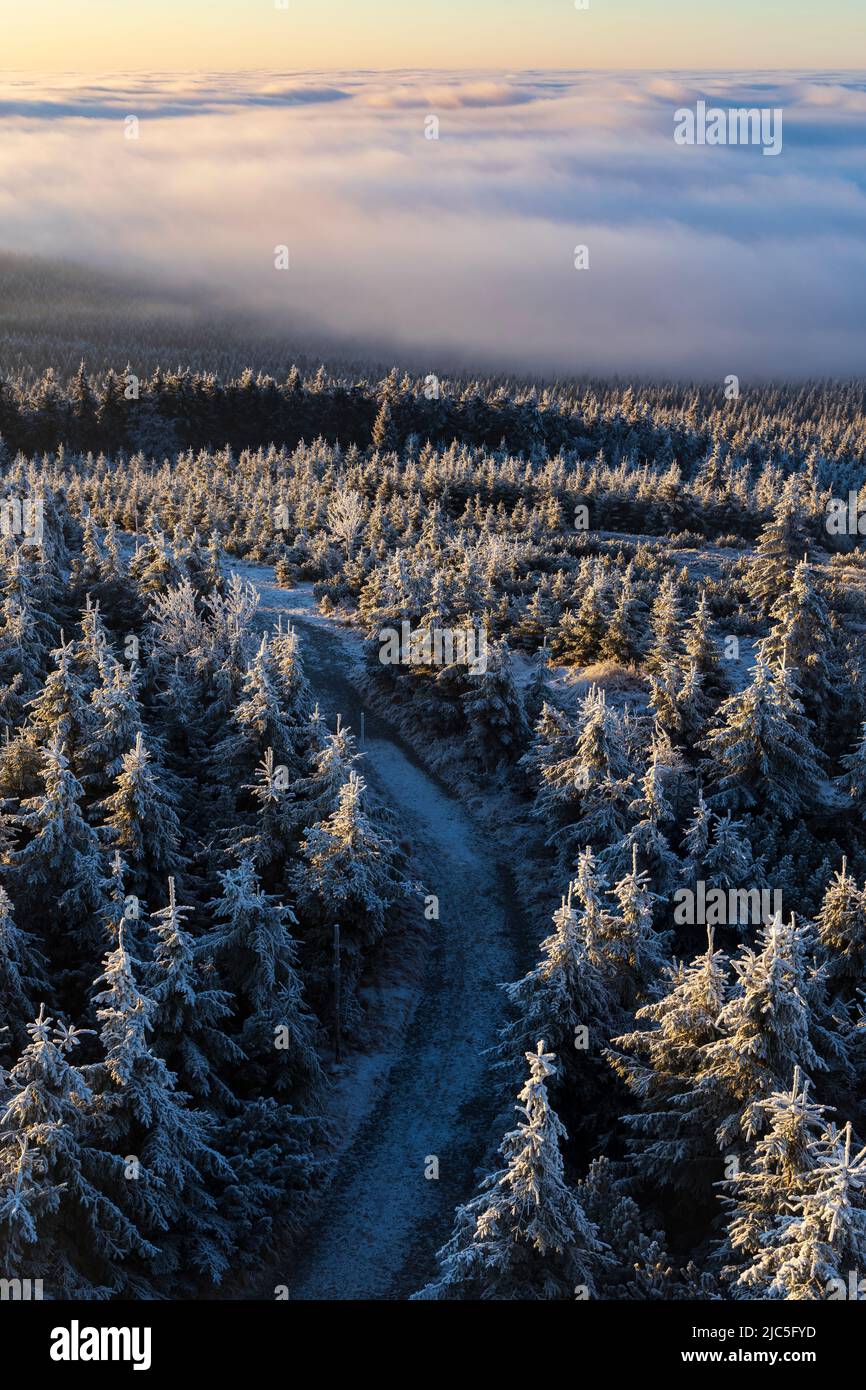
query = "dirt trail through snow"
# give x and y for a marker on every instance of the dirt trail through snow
(382, 1221)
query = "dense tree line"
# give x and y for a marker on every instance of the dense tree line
(180, 832)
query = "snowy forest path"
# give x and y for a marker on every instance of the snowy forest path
(382, 1220)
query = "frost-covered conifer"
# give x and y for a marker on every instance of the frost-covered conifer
(730, 862)
(634, 1266)
(293, 684)
(115, 723)
(781, 544)
(763, 1193)
(841, 928)
(624, 636)
(800, 639)
(88, 565)
(564, 992)
(144, 1118)
(667, 626)
(142, 821)
(701, 651)
(525, 1236)
(636, 952)
(269, 841)
(93, 649)
(800, 1213)
(767, 1030)
(494, 710)
(672, 1141)
(189, 1011)
(696, 841)
(347, 874)
(760, 755)
(22, 974)
(649, 813)
(252, 947)
(56, 1182)
(60, 710)
(256, 724)
(59, 874)
(853, 781)
(334, 759)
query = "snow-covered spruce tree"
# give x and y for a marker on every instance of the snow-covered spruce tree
(25, 635)
(63, 1224)
(800, 638)
(760, 755)
(557, 794)
(22, 975)
(601, 751)
(87, 566)
(270, 840)
(93, 648)
(730, 862)
(189, 1011)
(648, 814)
(585, 776)
(256, 724)
(623, 638)
(142, 822)
(534, 624)
(680, 705)
(762, 1194)
(58, 877)
(696, 842)
(817, 1240)
(781, 544)
(841, 929)
(672, 1139)
(767, 1031)
(115, 723)
(154, 567)
(333, 758)
(60, 711)
(525, 1236)
(701, 652)
(694, 706)
(579, 636)
(252, 948)
(636, 952)
(828, 1241)
(666, 623)
(853, 781)
(168, 1147)
(111, 570)
(294, 688)
(536, 693)
(347, 873)
(564, 992)
(493, 708)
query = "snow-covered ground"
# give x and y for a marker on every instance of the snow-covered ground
(429, 1095)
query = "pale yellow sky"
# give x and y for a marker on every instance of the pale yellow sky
(159, 35)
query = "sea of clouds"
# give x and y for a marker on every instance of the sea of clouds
(703, 261)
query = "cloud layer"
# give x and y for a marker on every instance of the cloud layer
(703, 261)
